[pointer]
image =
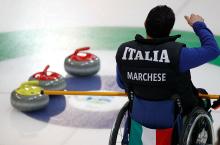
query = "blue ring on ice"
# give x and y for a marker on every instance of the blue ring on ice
(95, 112)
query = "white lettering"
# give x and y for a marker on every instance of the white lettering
(147, 56)
(163, 77)
(135, 76)
(129, 75)
(140, 76)
(139, 56)
(131, 53)
(155, 55)
(159, 77)
(125, 53)
(164, 57)
(155, 77)
(151, 77)
(144, 78)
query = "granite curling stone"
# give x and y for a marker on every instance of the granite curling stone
(28, 97)
(82, 63)
(49, 80)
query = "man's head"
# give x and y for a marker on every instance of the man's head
(159, 21)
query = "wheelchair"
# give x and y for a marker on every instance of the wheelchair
(197, 128)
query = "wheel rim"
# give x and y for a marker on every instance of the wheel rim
(200, 137)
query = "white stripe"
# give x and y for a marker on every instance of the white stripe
(148, 136)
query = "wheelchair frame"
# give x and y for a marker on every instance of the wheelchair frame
(189, 134)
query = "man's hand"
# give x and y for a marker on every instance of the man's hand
(193, 18)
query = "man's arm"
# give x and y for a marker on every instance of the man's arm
(193, 57)
(119, 79)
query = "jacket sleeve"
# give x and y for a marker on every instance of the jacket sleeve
(119, 79)
(209, 50)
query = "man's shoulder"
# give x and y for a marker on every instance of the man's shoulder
(131, 43)
(122, 47)
(175, 44)
(128, 43)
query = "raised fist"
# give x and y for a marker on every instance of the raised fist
(193, 18)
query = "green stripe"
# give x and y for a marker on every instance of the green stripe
(135, 133)
(20, 43)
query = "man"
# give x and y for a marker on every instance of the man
(157, 68)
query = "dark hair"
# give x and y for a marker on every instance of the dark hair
(159, 21)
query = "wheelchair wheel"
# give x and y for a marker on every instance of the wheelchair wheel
(118, 126)
(198, 129)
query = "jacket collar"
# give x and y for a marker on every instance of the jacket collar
(141, 39)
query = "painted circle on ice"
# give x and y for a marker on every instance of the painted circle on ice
(83, 111)
(96, 104)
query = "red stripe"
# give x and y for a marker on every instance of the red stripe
(164, 136)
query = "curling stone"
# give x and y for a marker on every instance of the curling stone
(82, 63)
(28, 97)
(49, 80)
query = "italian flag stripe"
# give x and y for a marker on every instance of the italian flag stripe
(164, 136)
(135, 133)
(141, 135)
(148, 136)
